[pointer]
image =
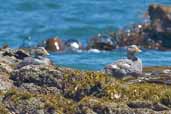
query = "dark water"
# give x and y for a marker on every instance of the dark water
(76, 19)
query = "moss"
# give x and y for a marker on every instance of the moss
(3, 109)
(79, 84)
(145, 91)
(156, 69)
(166, 98)
(56, 102)
(92, 90)
(17, 95)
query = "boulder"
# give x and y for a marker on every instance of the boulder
(160, 17)
(101, 42)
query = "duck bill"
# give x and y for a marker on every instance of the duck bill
(45, 52)
(138, 50)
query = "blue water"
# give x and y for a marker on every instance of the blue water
(76, 19)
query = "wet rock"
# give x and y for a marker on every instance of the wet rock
(101, 42)
(20, 54)
(140, 104)
(159, 107)
(147, 105)
(160, 17)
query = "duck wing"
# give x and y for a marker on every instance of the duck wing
(122, 64)
(124, 67)
(119, 68)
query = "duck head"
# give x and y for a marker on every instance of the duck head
(54, 45)
(132, 50)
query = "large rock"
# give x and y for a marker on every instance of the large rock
(101, 42)
(160, 17)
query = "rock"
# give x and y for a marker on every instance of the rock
(159, 107)
(17, 53)
(48, 89)
(5, 83)
(54, 45)
(23, 102)
(160, 17)
(38, 74)
(21, 54)
(42, 75)
(24, 105)
(5, 68)
(140, 104)
(101, 42)
(32, 88)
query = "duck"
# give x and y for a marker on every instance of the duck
(54, 44)
(37, 58)
(131, 65)
(73, 45)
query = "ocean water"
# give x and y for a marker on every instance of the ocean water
(75, 19)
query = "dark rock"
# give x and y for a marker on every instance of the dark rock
(20, 54)
(101, 42)
(140, 104)
(159, 107)
(160, 17)
(161, 24)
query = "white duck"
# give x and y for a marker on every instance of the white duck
(37, 58)
(130, 66)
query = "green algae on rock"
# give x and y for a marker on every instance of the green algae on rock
(94, 91)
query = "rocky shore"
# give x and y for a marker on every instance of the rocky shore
(31, 84)
(48, 89)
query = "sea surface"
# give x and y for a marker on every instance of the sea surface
(75, 19)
